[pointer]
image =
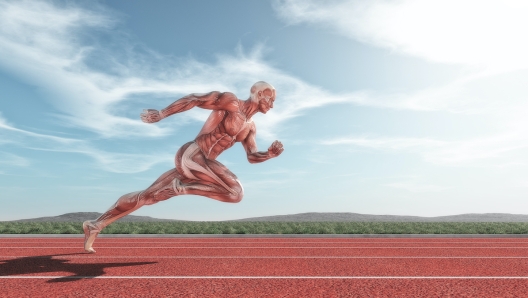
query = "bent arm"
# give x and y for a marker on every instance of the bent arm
(212, 101)
(258, 157)
(253, 155)
(250, 145)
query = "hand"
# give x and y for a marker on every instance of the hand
(150, 116)
(275, 149)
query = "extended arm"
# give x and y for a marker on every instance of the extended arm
(255, 156)
(212, 101)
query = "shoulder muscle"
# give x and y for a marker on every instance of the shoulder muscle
(219, 101)
(228, 101)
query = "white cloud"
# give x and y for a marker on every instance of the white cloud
(13, 160)
(496, 150)
(416, 187)
(469, 32)
(116, 162)
(486, 36)
(385, 143)
(45, 44)
(52, 55)
(265, 183)
(4, 123)
(42, 42)
(108, 161)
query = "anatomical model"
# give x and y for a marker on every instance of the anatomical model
(197, 172)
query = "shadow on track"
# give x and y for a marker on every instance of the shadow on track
(43, 264)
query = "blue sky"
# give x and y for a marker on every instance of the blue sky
(383, 107)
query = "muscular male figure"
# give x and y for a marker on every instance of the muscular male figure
(197, 171)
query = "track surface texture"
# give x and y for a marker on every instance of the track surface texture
(264, 267)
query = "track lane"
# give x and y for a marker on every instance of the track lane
(139, 239)
(265, 288)
(312, 268)
(272, 240)
(64, 266)
(123, 244)
(267, 251)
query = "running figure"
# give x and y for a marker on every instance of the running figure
(197, 171)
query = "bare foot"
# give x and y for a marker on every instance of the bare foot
(90, 233)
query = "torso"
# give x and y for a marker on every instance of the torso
(232, 128)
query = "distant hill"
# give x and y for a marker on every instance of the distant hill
(309, 217)
(82, 216)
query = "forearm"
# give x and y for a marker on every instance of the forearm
(257, 157)
(183, 104)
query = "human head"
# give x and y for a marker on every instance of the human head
(264, 94)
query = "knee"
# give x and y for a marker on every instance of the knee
(237, 195)
(235, 198)
(238, 198)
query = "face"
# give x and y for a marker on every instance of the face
(266, 98)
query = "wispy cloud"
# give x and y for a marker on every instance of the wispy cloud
(42, 41)
(453, 32)
(52, 55)
(110, 161)
(3, 121)
(117, 162)
(470, 32)
(267, 184)
(385, 143)
(492, 51)
(55, 47)
(416, 187)
(496, 150)
(13, 160)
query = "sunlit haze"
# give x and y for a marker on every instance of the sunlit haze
(383, 107)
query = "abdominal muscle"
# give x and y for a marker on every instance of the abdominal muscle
(212, 145)
(217, 141)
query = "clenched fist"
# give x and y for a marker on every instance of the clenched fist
(275, 149)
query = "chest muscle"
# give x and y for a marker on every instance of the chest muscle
(234, 123)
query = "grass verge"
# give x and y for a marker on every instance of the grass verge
(272, 228)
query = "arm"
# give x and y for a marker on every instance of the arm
(255, 156)
(213, 101)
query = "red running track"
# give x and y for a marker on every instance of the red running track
(264, 267)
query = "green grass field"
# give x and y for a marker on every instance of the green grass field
(271, 228)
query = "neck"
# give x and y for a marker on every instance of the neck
(249, 108)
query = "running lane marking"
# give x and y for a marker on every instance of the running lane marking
(263, 277)
(89, 256)
(102, 240)
(275, 247)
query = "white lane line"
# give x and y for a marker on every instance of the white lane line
(102, 240)
(260, 277)
(90, 256)
(280, 247)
